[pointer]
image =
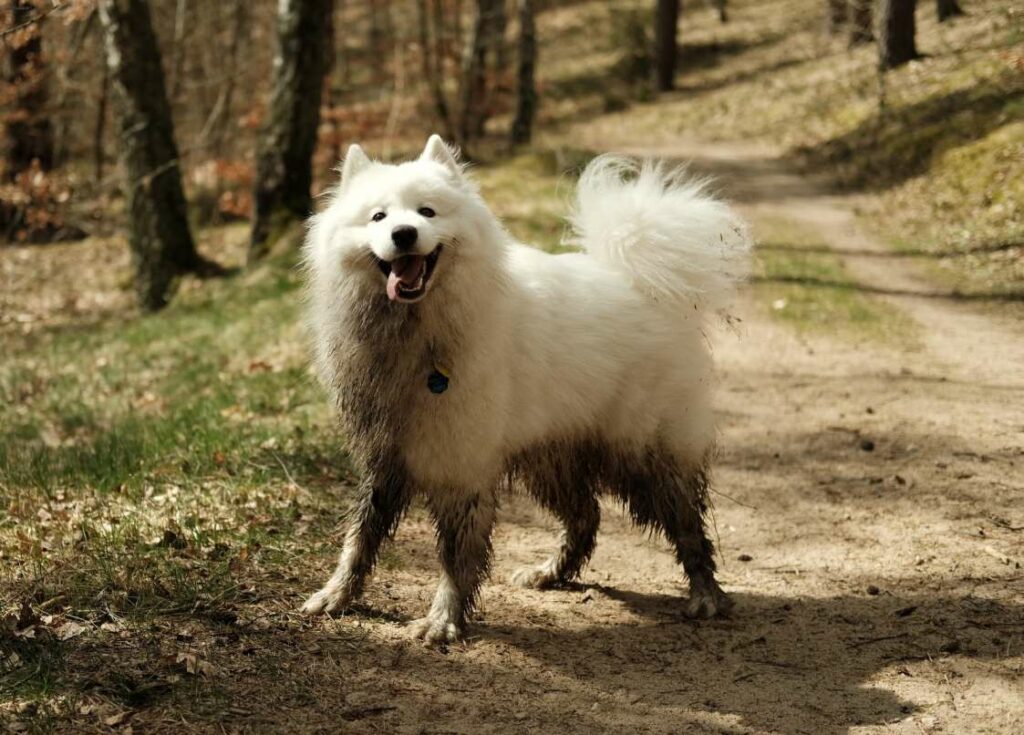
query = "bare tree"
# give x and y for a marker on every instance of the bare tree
(526, 90)
(896, 33)
(433, 63)
(837, 10)
(27, 125)
(159, 236)
(100, 126)
(947, 9)
(860, 22)
(181, 28)
(379, 45)
(66, 114)
(666, 19)
(484, 39)
(284, 171)
(215, 129)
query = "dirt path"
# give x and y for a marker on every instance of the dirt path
(876, 590)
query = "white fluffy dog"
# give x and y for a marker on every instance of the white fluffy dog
(461, 361)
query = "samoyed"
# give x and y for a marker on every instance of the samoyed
(461, 362)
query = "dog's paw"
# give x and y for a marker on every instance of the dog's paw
(436, 629)
(537, 578)
(708, 602)
(329, 600)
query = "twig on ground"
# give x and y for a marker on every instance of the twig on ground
(729, 497)
(288, 474)
(879, 639)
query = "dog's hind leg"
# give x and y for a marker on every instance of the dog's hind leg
(661, 493)
(464, 525)
(384, 497)
(572, 498)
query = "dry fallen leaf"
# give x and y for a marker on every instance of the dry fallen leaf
(70, 630)
(195, 665)
(116, 719)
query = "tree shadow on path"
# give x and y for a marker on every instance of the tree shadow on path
(792, 665)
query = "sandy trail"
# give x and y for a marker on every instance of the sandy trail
(880, 590)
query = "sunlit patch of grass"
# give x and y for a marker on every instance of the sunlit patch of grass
(532, 194)
(153, 466)
(982, 251)
(802, 284)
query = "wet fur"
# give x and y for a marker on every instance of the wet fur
(602, 388)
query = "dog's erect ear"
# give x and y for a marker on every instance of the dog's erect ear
(439, 152)
(355, 161)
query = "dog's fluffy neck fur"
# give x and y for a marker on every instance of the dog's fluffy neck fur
(378, 354)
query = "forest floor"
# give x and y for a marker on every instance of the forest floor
(171, 486)
(868, 516)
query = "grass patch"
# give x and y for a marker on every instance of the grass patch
(800, 283)
(532, 193)
(154, 467)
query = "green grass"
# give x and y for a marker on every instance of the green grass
(157, 465)
(799, 282)
(532, 192)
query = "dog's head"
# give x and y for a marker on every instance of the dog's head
(400, 228)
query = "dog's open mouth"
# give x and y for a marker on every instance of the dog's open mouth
(409, 275)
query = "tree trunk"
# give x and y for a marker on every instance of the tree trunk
(284, 167)
(860, 22)
(66, 115)
(526, 91)
(947, 9)
(27, 124)
(896, 33)
(666, 19)
(433, 64)
(836, 16)
(162, 246)
(488, 16)
(215, 129)
(181, 14)
(378, 43)
(100, 130)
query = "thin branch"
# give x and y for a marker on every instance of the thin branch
(31, 21)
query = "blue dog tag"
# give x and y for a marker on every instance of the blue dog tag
(437, 382)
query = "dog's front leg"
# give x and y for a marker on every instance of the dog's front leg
(464, 524)
(384, 497)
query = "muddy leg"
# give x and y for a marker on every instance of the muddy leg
(464, 525)
(663, 495)
(580, 515)
(384, 498)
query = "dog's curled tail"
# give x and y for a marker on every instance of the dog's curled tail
(675, 241)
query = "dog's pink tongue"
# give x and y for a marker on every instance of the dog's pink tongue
(405, 270)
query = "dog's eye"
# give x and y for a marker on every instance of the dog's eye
(426, 212)
(378, 216)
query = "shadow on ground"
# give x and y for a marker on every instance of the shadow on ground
(809, 658)
(926, 293)
(887, 149)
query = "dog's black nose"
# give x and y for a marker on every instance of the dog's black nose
(404, 236)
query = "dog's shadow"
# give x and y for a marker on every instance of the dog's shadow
(790, 665)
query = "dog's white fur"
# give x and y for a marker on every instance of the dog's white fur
(607, 342)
